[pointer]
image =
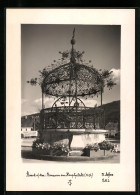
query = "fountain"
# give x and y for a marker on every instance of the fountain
(69, 121)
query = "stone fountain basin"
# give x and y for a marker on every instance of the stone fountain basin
(79, 131)
(75, 138)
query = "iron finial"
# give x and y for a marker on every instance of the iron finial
(73, 40)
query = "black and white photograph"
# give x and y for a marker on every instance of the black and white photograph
(70, 93)
(70, 99)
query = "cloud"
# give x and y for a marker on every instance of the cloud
(47, 101)
(23, 101)
(89, 102)
(28, 107)
(116, 75)
(31, 107)
(25, 113)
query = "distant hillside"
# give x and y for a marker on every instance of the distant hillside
(112, 114)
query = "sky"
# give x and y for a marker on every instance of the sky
(41, 43)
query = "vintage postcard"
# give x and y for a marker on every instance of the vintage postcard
(70, 104)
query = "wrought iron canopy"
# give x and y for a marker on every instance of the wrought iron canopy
(71, 78)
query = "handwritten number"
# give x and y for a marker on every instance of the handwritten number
(70, 182)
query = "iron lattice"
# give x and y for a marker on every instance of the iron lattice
(72, 79)
(68, 83)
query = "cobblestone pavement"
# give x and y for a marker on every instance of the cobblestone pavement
(115, 159)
